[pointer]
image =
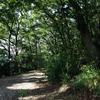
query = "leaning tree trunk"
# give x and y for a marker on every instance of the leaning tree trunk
(84, 31)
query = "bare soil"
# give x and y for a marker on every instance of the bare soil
(34, 86)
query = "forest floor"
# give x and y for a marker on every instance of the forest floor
(34, 86)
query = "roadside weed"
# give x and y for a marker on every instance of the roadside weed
(22, 92)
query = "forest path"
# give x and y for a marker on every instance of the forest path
(30, 86)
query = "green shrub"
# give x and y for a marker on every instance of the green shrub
(53, 74)
(54, 68)
(52, 97)
(88, 79)
(61, 68)
(22, 92)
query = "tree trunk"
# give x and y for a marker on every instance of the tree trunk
(84, 31)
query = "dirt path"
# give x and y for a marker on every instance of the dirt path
(29, 86)
(34, 86)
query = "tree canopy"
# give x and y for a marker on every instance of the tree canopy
(62, 36)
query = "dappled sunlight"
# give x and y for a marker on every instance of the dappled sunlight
(35, 86)
(63, 88)
(26, 85)
(29, 77)
(31, 97)
(27, 81)
(31, 82)
(33, 74)
(44, 92)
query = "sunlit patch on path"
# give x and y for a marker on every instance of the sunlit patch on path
(10, 86)
(26, 85)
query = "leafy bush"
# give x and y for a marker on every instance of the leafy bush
(53, 74)
(64, 78)
(22, 92)
(55, 68)
(89, 78)
(61, 68)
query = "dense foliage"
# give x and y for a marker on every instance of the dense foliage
(62, 36)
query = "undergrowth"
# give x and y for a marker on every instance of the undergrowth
(88, 80)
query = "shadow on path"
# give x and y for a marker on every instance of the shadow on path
(36, 87)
